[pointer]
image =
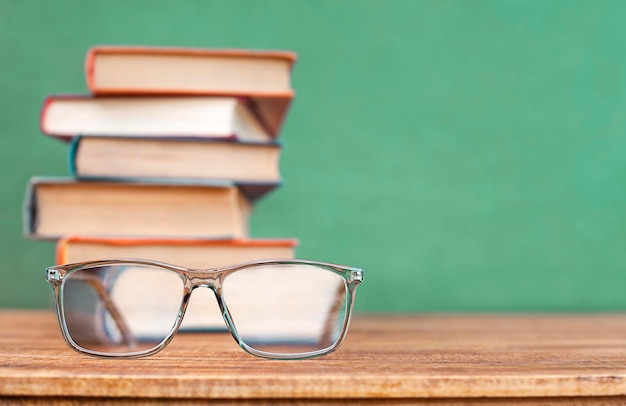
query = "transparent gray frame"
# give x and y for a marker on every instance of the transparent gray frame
(212, 278)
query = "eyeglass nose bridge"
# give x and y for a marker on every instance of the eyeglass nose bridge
(211, 279)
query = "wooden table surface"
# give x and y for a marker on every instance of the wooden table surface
(386, 359)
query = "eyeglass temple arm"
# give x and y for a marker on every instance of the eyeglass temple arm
(327, 338)
(98, 287)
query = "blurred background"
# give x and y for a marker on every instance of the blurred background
(469, 155)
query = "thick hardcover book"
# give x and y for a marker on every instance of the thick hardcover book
(55, 207)
(202, 311)
(253, 166)
(262, 76)
(167, 116)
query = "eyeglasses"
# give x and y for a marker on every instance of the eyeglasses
(279, 309)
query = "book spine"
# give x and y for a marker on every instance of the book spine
(48, 101)
(61, 250)
(29, 211)
(42, 121)
(89, 69)
(72, 153)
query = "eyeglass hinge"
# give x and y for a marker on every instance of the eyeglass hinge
(356, 276)
(53, 275)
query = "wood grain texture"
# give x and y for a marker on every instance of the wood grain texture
(388, 359)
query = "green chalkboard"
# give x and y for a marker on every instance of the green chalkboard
(470, 155)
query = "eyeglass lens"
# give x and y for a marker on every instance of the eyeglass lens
(276, 309)
(121, 309)
(288, 309)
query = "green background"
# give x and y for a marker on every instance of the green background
(469, 155)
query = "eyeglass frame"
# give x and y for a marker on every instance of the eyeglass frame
(193, 278)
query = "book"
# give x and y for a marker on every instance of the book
(262, 76)
(207, 117)
(54, 207)
(167, 158)
(191, 253)
(202, 311)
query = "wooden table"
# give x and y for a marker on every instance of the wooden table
(411, 359)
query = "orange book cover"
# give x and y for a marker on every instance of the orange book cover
(64, 243)
(270, 104)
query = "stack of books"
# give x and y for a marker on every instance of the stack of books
(168, 155)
